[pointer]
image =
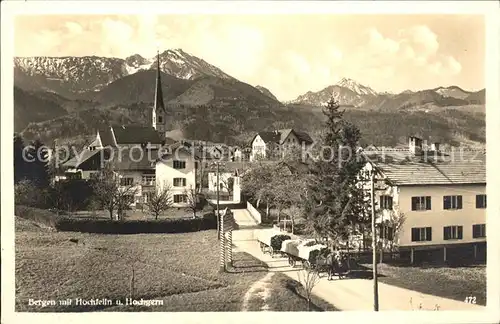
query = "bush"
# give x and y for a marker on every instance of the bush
(313, 255)
(26, 193)
(40, 216)
(277, 240)
(106, 226)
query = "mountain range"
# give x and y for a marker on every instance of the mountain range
(69, 97)
(350, 93)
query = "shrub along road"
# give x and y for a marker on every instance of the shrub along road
(345, 294)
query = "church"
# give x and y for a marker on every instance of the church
(151, 136)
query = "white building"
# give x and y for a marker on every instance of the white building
(442, 195)
(177, 171)
(276, 143)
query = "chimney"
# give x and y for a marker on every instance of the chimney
(415, 145)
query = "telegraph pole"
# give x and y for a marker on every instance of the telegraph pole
(374, 243)
(219, 229)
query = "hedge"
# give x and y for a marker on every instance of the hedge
(277, 240)
(107, 226)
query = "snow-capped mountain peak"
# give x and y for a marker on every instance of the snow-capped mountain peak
(80, 74)
(356, 87)
(452, 91)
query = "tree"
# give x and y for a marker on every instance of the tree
(256, 184)
(26, 193)
(332, 203)
(228, 184)
(110, 193)
(37, 157)
(394, 224)
(59, 196)
(159, 201)
(308, 278)
(192, 200)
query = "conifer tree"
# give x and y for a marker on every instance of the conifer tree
(38, 166)
(20, 166)
(333, 201)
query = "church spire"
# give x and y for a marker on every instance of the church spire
(159, 105)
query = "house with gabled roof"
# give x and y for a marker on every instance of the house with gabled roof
(270, 144)
(442, 195)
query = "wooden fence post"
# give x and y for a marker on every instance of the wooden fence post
(222, 243)
(230, 248)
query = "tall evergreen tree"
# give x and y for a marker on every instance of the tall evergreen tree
(333, 200)
(38, 164)
(20, 165)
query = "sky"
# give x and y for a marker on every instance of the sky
(288, 54)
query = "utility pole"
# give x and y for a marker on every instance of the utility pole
(374, 242)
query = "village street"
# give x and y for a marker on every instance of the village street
(345, 294)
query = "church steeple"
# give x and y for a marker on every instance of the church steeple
(159, 93)
(158, 110)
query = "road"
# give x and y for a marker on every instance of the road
(345, 294)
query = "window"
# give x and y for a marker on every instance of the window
(179, 164)
(126, 181)
(452, 232)
(196, 165)
(421, 203)
(420, 234)
(480, 201)
(180, 199)
(452, 202)
(148, 180)
(385, 202)
(160, 119)
(478, 230)
(386, 232)
(179, 182)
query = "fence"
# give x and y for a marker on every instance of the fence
(254, 213)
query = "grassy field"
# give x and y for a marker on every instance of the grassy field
(454, 283)
(178, 270)
(287, 294)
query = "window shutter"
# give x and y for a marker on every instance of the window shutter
(446, 232)
(475, 228)
(414, 235)
(390, 202)
(428, 233)
(484, 201)
(459, 202)
(413, 203)
(460, 232)
(478, 201)
(428, 203)
(445, 202)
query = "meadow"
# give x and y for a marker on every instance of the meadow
(180, 270)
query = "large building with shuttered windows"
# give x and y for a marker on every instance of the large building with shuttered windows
(442, 195)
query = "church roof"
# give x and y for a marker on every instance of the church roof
(131, 134)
